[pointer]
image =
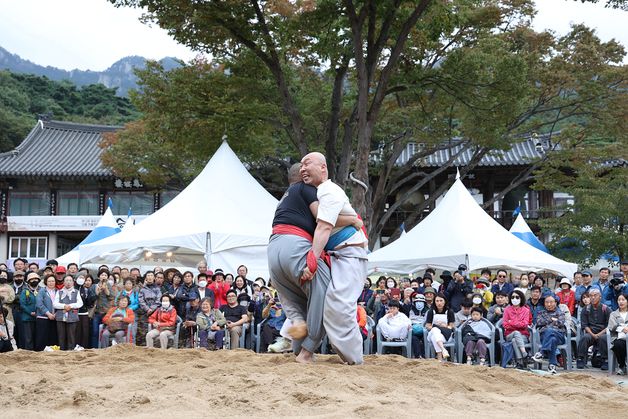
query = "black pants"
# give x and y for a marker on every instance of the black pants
(82, 331)
(619, 348)
(67, 335)
(45, 333)
(28, 335)
(269, 334)
(587, 340)
(17, 334)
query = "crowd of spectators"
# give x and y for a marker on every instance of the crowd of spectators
(75, 309)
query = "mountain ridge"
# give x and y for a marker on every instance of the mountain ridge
(119, 75)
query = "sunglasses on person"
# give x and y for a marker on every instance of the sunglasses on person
(501, 276)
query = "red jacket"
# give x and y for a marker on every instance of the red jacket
(517, 319)
(220, 293)
(167, 319)
(568, 297)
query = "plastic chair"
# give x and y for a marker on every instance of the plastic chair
(368, 342)
(499, 327)
(565, 347)
(174, 338)
(130, 331)
(490, 345)
(450, 345)
(612, 361)
(258, 335)
(406, 346)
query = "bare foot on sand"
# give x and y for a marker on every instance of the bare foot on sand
(298, 330)
(305, 357)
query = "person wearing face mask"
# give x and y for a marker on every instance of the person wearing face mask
(88, 296)
(516, 321)
(478, 301)
(7, 294)
(416, 314)
(163, 321)
(28, 308)
(366, 293)
(203, 288)
(524, 286)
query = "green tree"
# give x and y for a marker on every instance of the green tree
(361, 79)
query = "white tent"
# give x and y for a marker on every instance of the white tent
(459, 231)
(522, 230)
(223, 216)
(107, 226)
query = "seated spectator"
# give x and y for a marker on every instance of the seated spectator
(535, 303)
(475, 335)
(236, 316)
(66, 304)
(164, 322)
(517, 318)
(271, 328)
(567, 296)
(594, 322)
(496, 311)
(482, 287)
(417, 314)
(618, 327)
(394, 325)
(7, 332)
(189, 326)
(439, 323)
(116, 322)
(552, 328)
(384, 300)
(464, 313)
(210, 323)
(45, 322)
(28, 310)
(88, 296)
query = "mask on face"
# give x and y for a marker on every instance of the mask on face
(390, 284)
(18, 281)
(165, 304)
(110, 282)
(3, 280)
(202, 284)
(419, 305)
(33, 284)
(80, 281)
(515, 301)
(477, 300)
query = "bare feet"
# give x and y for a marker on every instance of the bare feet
(305, 357)
(298, 330)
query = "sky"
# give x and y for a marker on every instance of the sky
(93, 34)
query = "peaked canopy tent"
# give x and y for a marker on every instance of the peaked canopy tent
(522, 230)
(224, 216)
(460, 231)
(107, 226)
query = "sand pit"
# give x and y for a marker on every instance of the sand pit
(139, 382)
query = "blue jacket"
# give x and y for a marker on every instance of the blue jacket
(456, 292)
(28, 303)
(507, 288)
(44, 303)
(580, 289)
(535, 309)
(609, 297)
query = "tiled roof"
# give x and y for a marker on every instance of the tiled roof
(521, 154)
(58, 150)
